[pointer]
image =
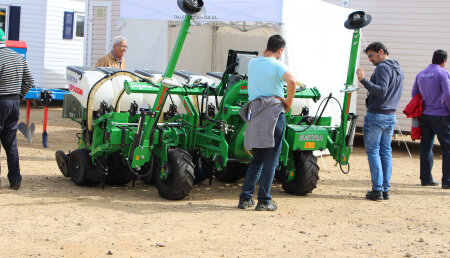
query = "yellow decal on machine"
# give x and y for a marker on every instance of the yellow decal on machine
(310, 145)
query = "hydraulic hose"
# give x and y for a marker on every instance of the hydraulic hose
(137, 173)
(316, 119)
(227, 71)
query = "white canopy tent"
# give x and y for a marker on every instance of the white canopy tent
(216, 10)
(317, 50)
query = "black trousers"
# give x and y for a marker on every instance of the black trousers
(431, 126)
(9, 117)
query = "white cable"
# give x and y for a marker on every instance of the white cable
(323, 162)
(363, 40)
(401, 134)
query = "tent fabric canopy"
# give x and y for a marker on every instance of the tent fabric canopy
(305, 12)
(216, 10)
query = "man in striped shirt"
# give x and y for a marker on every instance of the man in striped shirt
(15, 82)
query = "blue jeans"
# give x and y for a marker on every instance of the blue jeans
(263, 165)
(440, 126)
(378, 130)
(9, 116)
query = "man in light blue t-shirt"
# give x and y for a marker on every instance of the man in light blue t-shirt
(266, 77)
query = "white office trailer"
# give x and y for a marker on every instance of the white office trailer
(54, 33)
(412, 31)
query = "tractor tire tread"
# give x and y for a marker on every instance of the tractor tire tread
(181, 177)
(306, 174)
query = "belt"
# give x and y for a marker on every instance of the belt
(10, 97)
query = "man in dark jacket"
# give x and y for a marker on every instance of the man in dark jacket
(384, 92)
(15, 82)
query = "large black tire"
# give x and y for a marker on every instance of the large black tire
(180, 178)
(306, 174)
(118, 173)
(232, 172)
(79, 162)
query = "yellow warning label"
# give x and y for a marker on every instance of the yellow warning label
(310, 145)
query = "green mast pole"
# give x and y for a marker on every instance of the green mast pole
(164, 89)
(178, 46)
(350, 77)
(341, 141)
(162, 93)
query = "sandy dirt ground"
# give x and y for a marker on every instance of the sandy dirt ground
(49, 216)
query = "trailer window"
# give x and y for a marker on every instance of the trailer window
(3, 18)
(79, 25)
(73, 25)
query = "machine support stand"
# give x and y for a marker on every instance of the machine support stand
(211, 176)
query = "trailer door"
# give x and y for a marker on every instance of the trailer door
(99, 31)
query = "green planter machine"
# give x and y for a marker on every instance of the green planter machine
(174, 151)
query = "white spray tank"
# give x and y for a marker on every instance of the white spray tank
(81, 79)
(156, 77)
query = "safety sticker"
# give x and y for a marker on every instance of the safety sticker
(310, 145)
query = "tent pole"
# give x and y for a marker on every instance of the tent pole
(214, 46)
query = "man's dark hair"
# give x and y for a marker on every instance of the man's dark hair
(439, 56)
(275, 42)
(375, 47)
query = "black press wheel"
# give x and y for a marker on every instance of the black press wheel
(306, 174)
(150, 169)
(118, 173)
(232, 172)
(203, 170)
(79, 162)
(63, 162)
(180, 178)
